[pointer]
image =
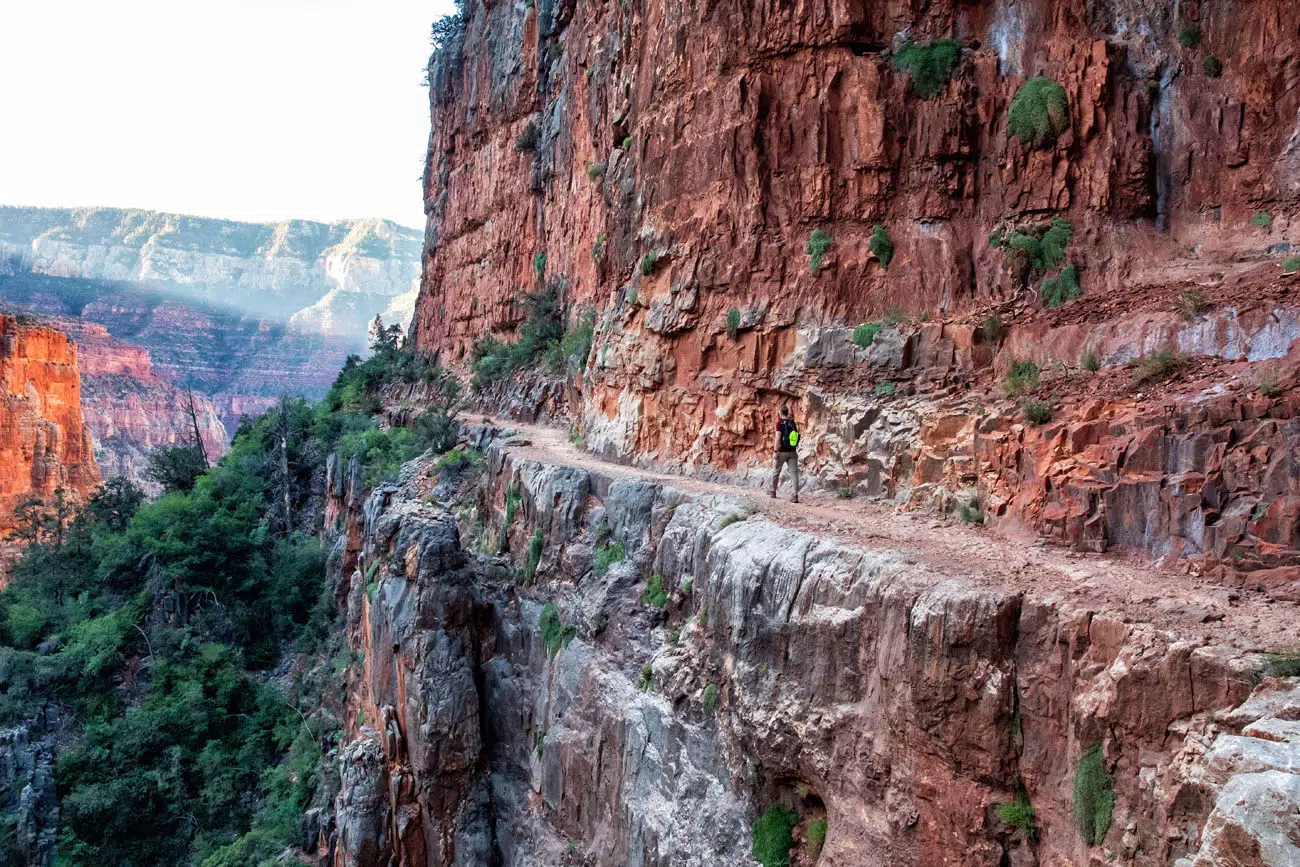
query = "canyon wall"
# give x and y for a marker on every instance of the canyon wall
(561, 706)
(325, 278)
(44, 443)
(666, 166)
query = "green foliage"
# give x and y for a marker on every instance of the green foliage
(865, 334)
(885, 389)
(541, 742)
(175, 468)
(1037, 411)
(1090, 362)
(818, 243)
(733, 518)
(709, 698)
(1212, 67)
(1268, 387)
(773, 836)
(1022, 378)
(649, 262)
(881, 245)
(1094, 797)
(609, 554)
(893, 316)
(1191, 304)
(1055, 240)
(1157, 366)
(928, 64)
(1019, 814)
(1189, 36)
(1285, 664)
(646, 680)
(655, 596)
(845, 492)
(540, 334)
(528, 571)
(1263, 220)
(626, 144)
(527, 139)
(972, 513)
(733, 323)
(539, 265)
(1061, 288)
(992, 329)
(817, 829)
(1291, 265)
(1040, 112)
(556, 634)
(459, 460)
(595, 171)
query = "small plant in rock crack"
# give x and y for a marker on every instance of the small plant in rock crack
(817, 829)
(655, 596)
(608, 555)
(865, 334)
(885, 389)
(733, 323)
(1262, 220)
(1284, 664)
(1157, 366)
(992, 329)
(674, 637)
(1094, 796)
(649, 262)
(1090, 362)
(818, 243)
(1037, 411)
(773, 836)
(556, 634)
(686, 586)
(541, 742)
(528, 569)
(539, 265)
(733, 518)
(846, 492)
(595, 171)
(1019, 814)
(1291, 265)
(1191, 304)
(1021, 379)
(703, 618)
(1268, 387)
(882, 246)
(646, 681)
(972, 513)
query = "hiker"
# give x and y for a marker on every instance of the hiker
(787, 440)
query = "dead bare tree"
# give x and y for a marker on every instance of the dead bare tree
(192, 410)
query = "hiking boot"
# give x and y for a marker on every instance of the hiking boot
(772, 494)
(795, 498)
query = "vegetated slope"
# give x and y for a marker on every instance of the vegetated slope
(326, 278)
(730, 191)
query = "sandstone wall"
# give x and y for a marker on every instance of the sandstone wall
(898, 696)
(44, 443)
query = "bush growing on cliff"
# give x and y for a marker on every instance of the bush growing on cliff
(1019, 814)
(709, 698)
(1037, 411)
(1094, 797)
(1061, 288)
(527, 139)
(1262, 220)
(541, 331)
(817, 829)
(865, 334)
(528, 570)
(655, 596)
(881, 245)
(818, 243)
(928, 64)
(1189, 36)
(1157, 366)
(1191, 304)
(1090, 362)
(1212, 67)
(773, 836)
(649, 262)
(556, 634)
(1285, 664)
(175, 467)
(1021, 379)
(733, 323)
(1040, 112)
(609, 554)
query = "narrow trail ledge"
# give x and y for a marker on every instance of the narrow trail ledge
(584, 664)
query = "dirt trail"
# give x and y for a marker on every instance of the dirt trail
(1131, 591)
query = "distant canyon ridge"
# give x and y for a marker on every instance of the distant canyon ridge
(166, 305)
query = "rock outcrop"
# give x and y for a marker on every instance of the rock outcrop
(650, 669)
(45, 445)
(668, 167)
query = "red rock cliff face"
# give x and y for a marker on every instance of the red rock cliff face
(44, 445)
(715, 138)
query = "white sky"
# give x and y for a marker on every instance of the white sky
(245, 109)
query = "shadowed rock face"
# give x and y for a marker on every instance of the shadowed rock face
(44, 444)
(896, 698)
(719, 137)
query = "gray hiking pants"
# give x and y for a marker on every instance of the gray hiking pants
(780, 460)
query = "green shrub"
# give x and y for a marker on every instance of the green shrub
(881, 245)
(649, 262)
(818, 243)
(1040, 112)
(539, 265)
(1019, 814)
(893, 316)
(527, 140)
(733, 323)
(865, 334)
(595, 171)
(1090, 362)
(709, 699)
(1191, 304)
(1036, 411)
(655, 596)
(1158, 365)
(1153, 90)
(608, 555)
(1291, 265)
(686, 585)
(1055, 240)
(540, 338)
(1212, 67)
(1061, 288)
(971, 513)
(1285, 664)
(1094, 797)
(928, 64)
(845, 492)
(817, 829)
(646, 681)
(733, 518)
(1189, 36)
(627, 143)
(1021, 379)
(992, 329)
(1268, 387)
(885, 389)
(556, 634)
(528, 570)
(773, 836)
(541, 742)
(1263, 220)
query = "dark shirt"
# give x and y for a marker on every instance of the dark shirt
(784, 426)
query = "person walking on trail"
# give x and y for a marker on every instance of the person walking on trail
(787, 442)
